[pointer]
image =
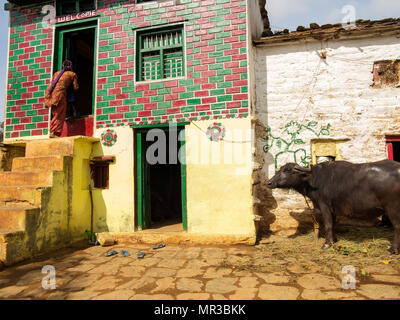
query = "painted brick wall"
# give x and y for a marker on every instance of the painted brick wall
(216, 85)
(29, 73)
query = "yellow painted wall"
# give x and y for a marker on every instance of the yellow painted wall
(80, 201)
(326, 147)
(115, 207)
(219, 199)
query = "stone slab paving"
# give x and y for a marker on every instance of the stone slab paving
(192, 272)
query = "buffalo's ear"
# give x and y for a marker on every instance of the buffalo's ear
(305, 174)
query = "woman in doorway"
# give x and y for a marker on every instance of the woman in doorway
(56, 97)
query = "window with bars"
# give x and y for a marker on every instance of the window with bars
(65, 7)
(100, 174)
(160, 54)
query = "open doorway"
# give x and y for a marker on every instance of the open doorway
(79, 48)
(161, 186)
(393, 147)
(78, 44)
(393, 153)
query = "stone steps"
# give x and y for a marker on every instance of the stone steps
(45, 163)
(50, 147)
(37, 185)
(7, 235)
(11, 246)
(27, 178)
(182, 237)
(22, 190)
(15, 218)
(17, 195)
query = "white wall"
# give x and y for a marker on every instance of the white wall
(114, 208)
(294, 84)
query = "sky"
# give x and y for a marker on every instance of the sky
(3, 56)
(292, 13)
(282, 14)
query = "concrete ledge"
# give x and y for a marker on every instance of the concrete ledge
(180, 238)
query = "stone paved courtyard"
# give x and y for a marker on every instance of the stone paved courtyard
(277, 268)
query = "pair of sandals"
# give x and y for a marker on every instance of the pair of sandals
(140, 255)
(114, 252)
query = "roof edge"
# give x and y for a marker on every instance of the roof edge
(363, 29)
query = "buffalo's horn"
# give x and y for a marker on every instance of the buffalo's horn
(302, 169)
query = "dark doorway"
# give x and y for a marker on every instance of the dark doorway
(78, 47)
(396, 151)
(161, 187)
(393, 150)
(77, 42)
(393, 147)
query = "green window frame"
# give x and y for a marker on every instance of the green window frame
(160, 54)
(65, 7)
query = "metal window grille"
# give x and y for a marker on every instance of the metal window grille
(151, 67)
(173, 65)
(100, 175)
(161, 55)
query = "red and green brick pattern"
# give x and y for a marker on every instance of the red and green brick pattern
(29, 73)
(215, 84)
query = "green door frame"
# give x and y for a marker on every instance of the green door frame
(142, 190)
(77, 26)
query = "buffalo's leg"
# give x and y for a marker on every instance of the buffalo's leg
(334, 237)
(394, 216)
(327, 217)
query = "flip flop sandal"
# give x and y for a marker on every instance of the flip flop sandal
(159, 246)
(125, 253)
(111, 253)
(140, 255)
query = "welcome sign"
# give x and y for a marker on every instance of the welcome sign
(77, 16)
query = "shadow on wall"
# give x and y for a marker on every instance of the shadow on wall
(100, 212)
(99, 205)
(264, 202)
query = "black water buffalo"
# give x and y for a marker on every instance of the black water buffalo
(343, 188)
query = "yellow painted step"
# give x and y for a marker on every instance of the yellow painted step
(14, 218)
(11, 246)
(31, 195)
(41, 178)
(7, 235)
(47, 163)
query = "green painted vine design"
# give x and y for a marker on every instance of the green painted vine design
(293, 145)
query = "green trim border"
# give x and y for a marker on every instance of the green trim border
(140, 192)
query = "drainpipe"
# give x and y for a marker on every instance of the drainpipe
(91, 241)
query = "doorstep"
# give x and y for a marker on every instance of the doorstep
(182, 237)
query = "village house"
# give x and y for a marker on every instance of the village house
(323, 93)
(183, 67)
(186, 108)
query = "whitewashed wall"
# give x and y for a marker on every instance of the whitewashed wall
(294, 84)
